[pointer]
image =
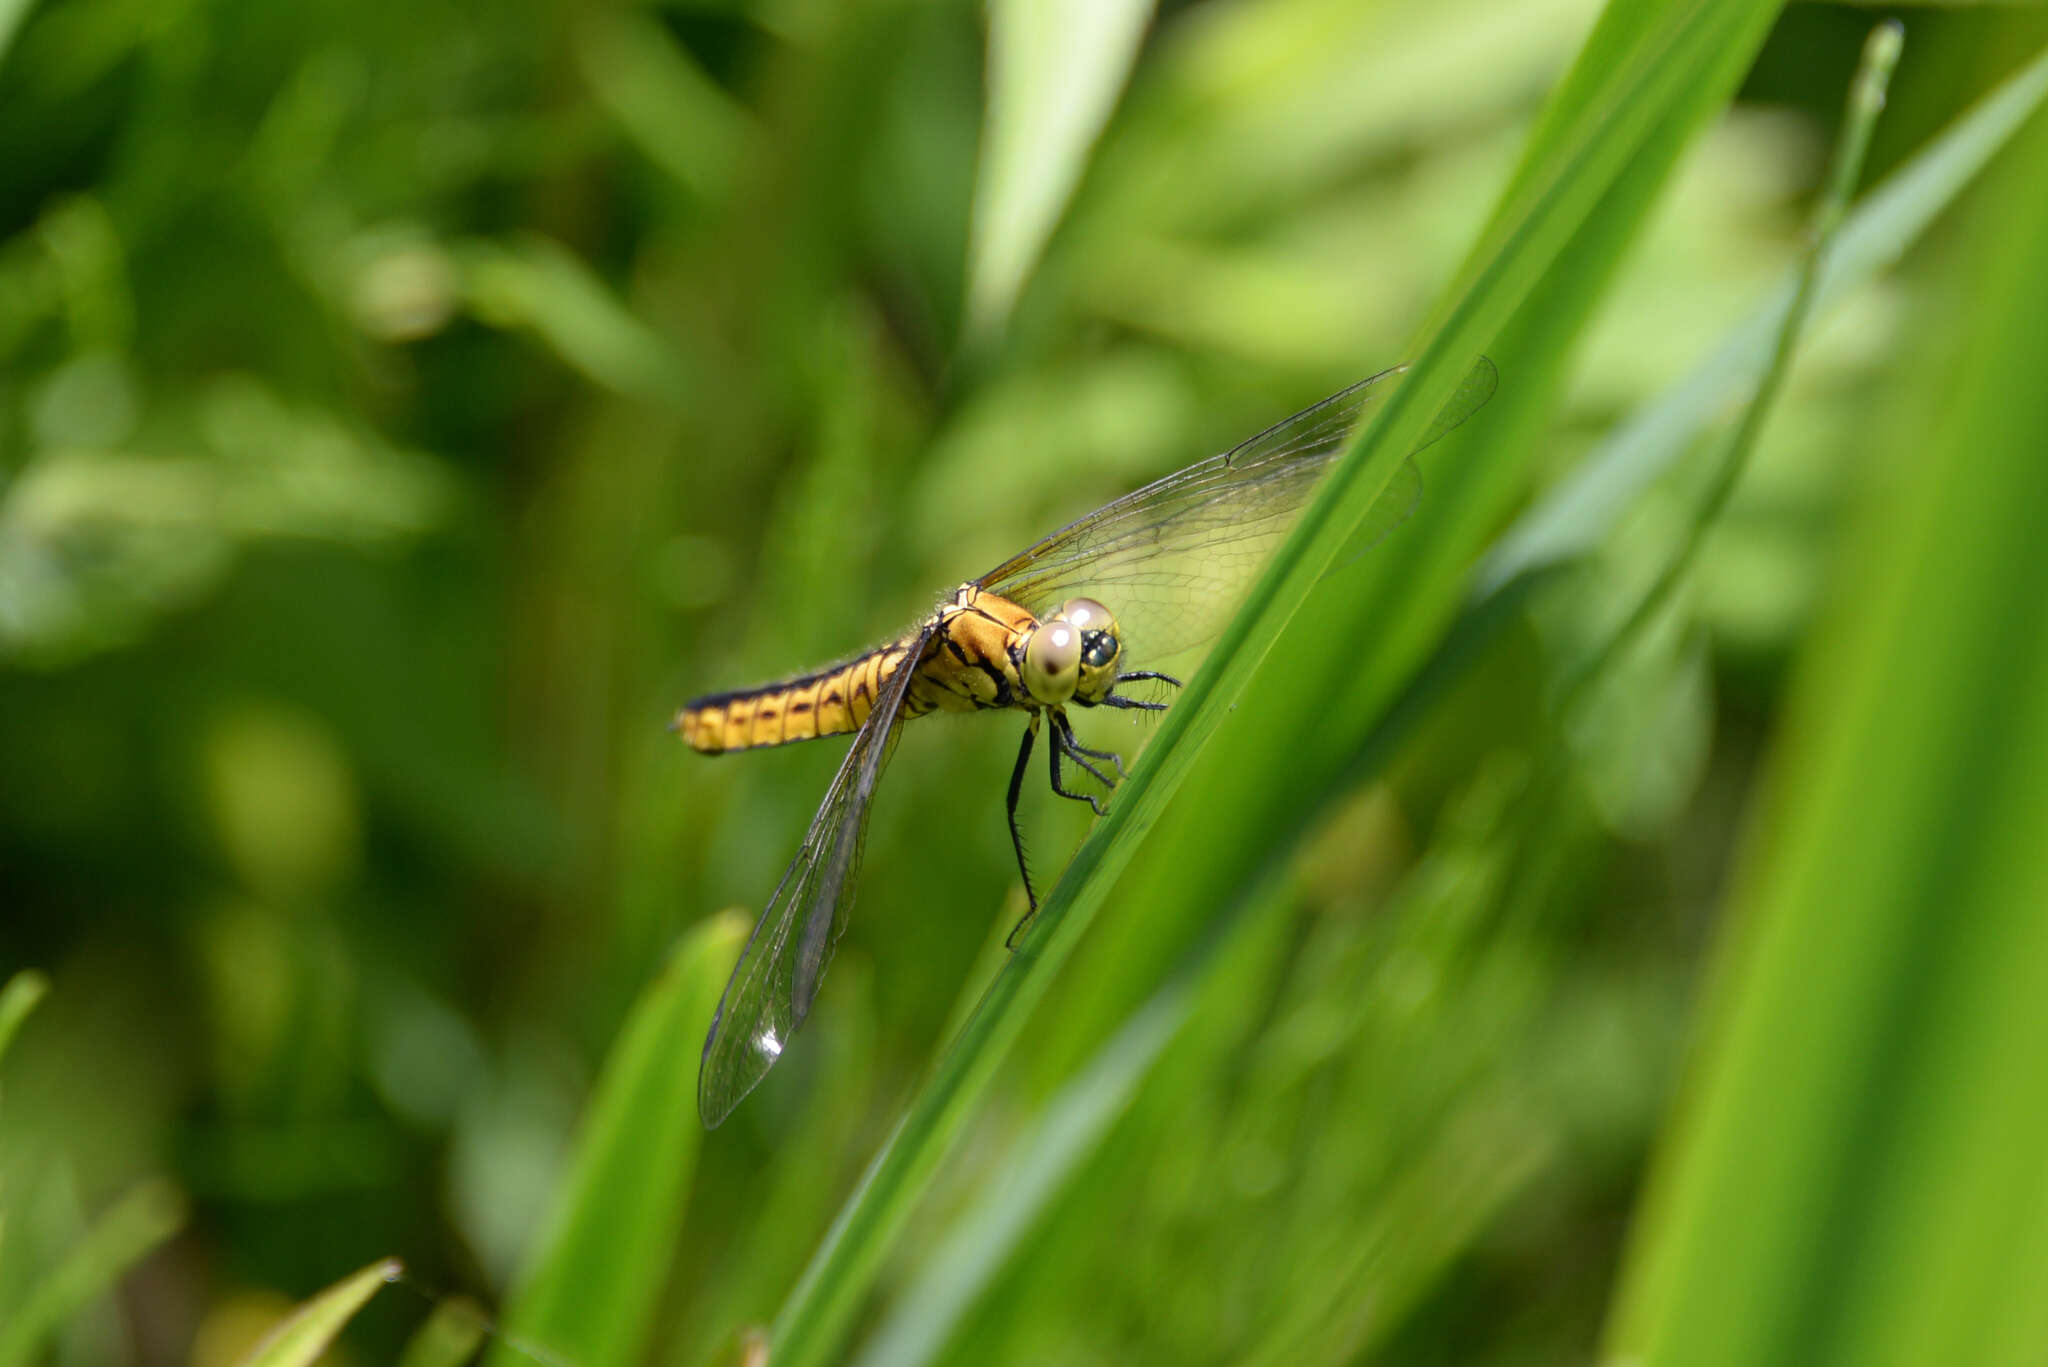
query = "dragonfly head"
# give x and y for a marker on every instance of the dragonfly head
(1101, 648)
(1072, 655)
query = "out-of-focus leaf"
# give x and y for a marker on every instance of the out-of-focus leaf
(23, 991)
(537, 285)
(1856, 1175)
(136, 1223)
(1055, 69)
(306, 1334)
(1891, 218)
(672, 111)
(1597, 695)
(1643, 730)
(12, 12)
(449, 1338)
(598, 1268)
(95, 543)
(961, 1268)
(1585, 508)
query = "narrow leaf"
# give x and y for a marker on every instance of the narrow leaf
(23, 991)
(1856, 1175)
(961, 1268)
(1574, 515)
(146, 1216)
(1055, 69)
(449, 1338)
(308, 1331)
(592, 1292)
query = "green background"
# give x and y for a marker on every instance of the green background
(403, 409)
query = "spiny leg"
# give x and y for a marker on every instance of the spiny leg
(1016, 836)
(1093, 772)
(1136, 676)
(1078, 751)
(1058, 785)
(1081, 754)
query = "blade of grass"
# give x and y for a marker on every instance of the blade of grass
(21, 995)
(1015, 1229)
(1866, 102)
(1574, 515)
(1632, 99)
(1587, 503)
(809, 1179)
(596, 1277)
(12, 12)
(449, 1338)
(962, 1267)
(308, 1330)
(1055, 69)
(143, 1218)
(536, 284)
(678, 117)
(1854, 1174)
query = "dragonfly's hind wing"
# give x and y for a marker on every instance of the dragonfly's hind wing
(776, 980)
(1173, 559)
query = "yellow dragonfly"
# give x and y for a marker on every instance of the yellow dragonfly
(1140, 580)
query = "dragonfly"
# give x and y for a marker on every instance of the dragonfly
(1147, 577)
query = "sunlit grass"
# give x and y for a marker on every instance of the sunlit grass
(400, 417)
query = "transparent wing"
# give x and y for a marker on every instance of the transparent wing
(1173, 559)
(776, 979)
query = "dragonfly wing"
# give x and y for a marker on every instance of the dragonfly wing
(776, 979)
(1173, 559)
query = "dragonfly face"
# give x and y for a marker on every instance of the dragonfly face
(1175, 557)
(1072, 655)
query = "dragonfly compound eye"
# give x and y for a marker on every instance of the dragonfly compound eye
(1100, 645)
(1052, 661)
(1087, 614)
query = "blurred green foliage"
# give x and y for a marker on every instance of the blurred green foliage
(402, 409)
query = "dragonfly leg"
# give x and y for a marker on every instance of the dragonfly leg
(1059, 786)
(1116, 761)
(1017, 791)
(1136, 676)
(1081, 754)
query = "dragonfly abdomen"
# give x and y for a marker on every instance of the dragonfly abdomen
(830, 702)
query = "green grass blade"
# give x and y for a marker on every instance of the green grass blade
(962, 1267)
(23, 991)
(1630, 102)
(1855, 1175)
(143, 1218)
(1585, 505)
(1573, 516)
(449, 1338)
(678, 117)
(593, 1289)
(308, 1331)
(1866, 102)
(537, 285)
(1055, 69)
(12, 12)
